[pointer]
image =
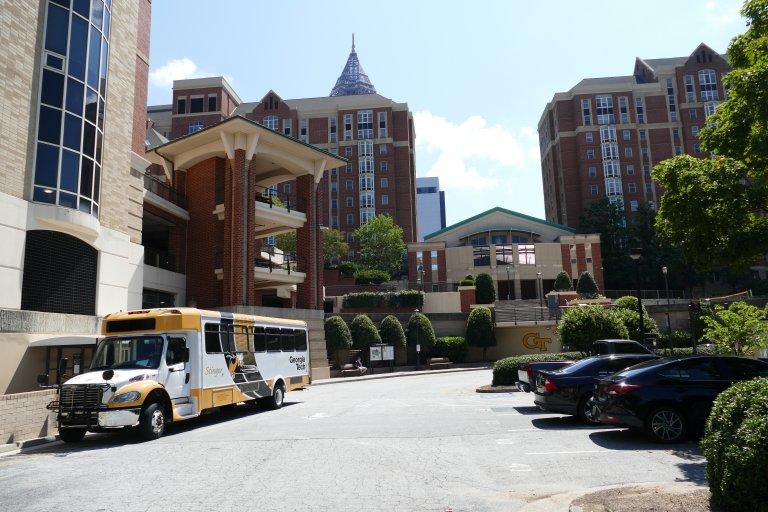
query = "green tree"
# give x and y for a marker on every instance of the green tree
(364, 333)
(608, 220)
(381, 244)
(711, 208)
(741, 328)
(580, 326)
(337, 335)
(419, 331)
(335, 247)
(480, 331)
(626, 309)
(586, 286)
(391, 332)
(485, 293)
(563, 282)
(286, 242)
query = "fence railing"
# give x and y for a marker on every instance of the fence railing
(276, 198)
(517, 312)
(287, 262)
(162, 189)
(160, 259)
(648, 294)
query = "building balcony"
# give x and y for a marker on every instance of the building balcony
(277, 213)
(273, 268)
(163, 191)
(160, 259)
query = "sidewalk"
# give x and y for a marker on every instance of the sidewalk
(667, 497)
(383, 373)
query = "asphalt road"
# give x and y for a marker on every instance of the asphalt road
(413, 443)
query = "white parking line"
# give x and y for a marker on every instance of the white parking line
(519, 468)
(575, 452)
(525, 430)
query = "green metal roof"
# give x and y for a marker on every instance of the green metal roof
(501, 210)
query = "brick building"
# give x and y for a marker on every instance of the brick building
(601, 138)
(374, 133)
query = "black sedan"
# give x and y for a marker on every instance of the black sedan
(671, 397)
(568, 390)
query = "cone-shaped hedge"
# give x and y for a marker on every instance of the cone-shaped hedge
(419, 332)
(563, 282)
(586, 286)
(391, 332)
(364, 333)
(485, 293)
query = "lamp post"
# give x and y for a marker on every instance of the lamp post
(669, 324)
(418, 346)
(636, 254)
(541, 294)
(509, 286)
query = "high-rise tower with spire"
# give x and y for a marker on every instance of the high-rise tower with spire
(353, 79)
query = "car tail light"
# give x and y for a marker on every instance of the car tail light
(549, 385)
(620, 389)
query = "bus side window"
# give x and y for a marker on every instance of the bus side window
(287, 338)
(212, 342)
(228, 337)
(259, 339)
(273, 339)
(176, 352)
(241, 339)
(249, 333)
(301, 340)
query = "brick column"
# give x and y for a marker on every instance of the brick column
(254, 245)
(306, 244)
(235, 227)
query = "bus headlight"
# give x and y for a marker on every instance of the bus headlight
(130, 396)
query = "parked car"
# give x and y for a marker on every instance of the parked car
(526, 376)
(671, 397)
(601, 347)
(569, 390)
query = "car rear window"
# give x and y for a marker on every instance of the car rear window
(578, 366)
(638, 368)
(630, 348)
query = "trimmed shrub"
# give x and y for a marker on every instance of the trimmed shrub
(626, 309)
(580, 326)
(469, 277)
(505, 370)
(363, 331)
(678, 339)
(735, 445)
(480, 331)
(392, 332)
(348, 268)
(337, 335)
(485, 293)
(563, 282)
(371, 276)
(586, 286)
(419, 332)
(454, 348)
(402, 299)
(467, 282)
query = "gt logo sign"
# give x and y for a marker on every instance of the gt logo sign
(533, 341)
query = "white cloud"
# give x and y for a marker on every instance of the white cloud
(721, 15)
(464, 148)
(177, 69)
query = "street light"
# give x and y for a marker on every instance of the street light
(636, 254)
(418, 346)
(669, 324)
(541, 294)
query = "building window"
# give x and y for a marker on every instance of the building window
(588, 137)
(649, 188)
(365, 148)
(384, 200)
(695, 130)
(349, 185)
(303, 137)
(526, 254)
(287, 187)
(631, 188)
(671, 102)
(332, 135)
(350, 202)
(643, 135)
(590, 154)
(613, 187)
(646, 170)
(708, 85)
(212, 107)
(181, 106)
(383, 149)
(678, 150)
(350, 219)
(384, 166)
(270, 122)
(611, 169)
(70, 123)
(624, 110)
(586, 113)
(628, 152)
(709, 109)
(610, 151)
(366, 215)
(366, 200)
(334, 204)
(196, 105)
(593, 190)
(348, 169)
(633, 205)
(607, 134)
(195, 126)
(639, 111)
(630, 170)
(604, 110)
(334, 221)
(382, 125)
(348, 151)
(287, 127)
(334, 186)
(697, 149)
(626, 135)
(366, 183)
(592, 172)
(384, 183)
(690, 92)
(347, 126)
(364, 124)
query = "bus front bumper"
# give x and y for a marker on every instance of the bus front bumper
(93, 419)
(119, 418)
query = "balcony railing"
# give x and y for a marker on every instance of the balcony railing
(160, 259)
(165, 191)
(275, 198)
(287, 262)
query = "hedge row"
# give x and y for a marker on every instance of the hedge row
(454, 348)
(401, 299)
(505, 370)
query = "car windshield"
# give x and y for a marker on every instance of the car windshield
(128, 352)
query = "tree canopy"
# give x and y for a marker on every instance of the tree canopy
(485, 293)
(381, 244)
(739, 329)
(335, 247)
(480, 332)
(580, 326)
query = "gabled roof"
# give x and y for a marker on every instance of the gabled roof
(500, 210)
(353, 79)
(154, 139)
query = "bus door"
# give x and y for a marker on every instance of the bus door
(177, 360)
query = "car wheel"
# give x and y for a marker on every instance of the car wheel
(71, 435)
(665, 425)
(152, 422)
(588, 411)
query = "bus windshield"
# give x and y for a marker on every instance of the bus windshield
(142, 352)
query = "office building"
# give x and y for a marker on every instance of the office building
(430, 206)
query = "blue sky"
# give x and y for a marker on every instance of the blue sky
(476, 75)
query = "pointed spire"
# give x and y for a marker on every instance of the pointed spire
(353, 79)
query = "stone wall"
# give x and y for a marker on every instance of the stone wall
(23, 416)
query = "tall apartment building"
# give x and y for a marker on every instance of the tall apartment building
(430, 206)
(601, 138)
(375, 134)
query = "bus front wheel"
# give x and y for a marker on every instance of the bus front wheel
(152, 422)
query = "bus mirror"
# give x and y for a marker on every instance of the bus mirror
(62, 369)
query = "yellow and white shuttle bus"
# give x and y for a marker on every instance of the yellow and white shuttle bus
(158, 366)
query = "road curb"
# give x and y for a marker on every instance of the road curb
(341, 380)
(27, 445)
